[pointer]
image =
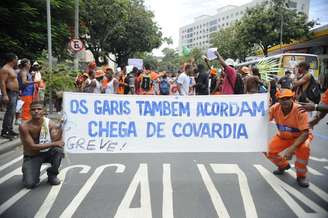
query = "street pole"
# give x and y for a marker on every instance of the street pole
(49, 54)
(281, 29)
(76, 33)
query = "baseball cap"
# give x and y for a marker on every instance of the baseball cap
(245, 70)
(36, 63)
(285, 93)
(230, 62)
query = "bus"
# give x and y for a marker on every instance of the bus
(277, 65)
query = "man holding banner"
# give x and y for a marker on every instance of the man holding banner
(293, 136)
(42, 142)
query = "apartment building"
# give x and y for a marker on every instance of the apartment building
(198, 33)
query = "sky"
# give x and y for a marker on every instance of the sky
(173, 14)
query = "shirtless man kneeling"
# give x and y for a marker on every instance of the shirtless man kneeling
(42, 141)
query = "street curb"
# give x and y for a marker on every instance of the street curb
(8, 146)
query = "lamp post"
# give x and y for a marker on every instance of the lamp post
(49, 53)
(76, 34)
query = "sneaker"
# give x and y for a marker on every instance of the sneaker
(53, 180)
(281, 171)
(7, 135)
(303, 182)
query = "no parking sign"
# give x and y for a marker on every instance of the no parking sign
(76, 45)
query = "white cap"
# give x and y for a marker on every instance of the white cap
(35, 63)
(230, 62)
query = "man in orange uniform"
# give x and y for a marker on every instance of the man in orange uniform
(293, 136)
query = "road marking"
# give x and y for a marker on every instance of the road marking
(52, 196)
(11, 201)
(282, 189)
(246, 195)
(323, 195)
(311, 170)
(167, 208)
(217, 201)
(11, 163)
(326, 167)
(124, 210)
(318, 159)
(75, 203)
(16, 172)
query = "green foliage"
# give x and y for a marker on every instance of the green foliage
(261, 25)
(61, 79)
(149, 59)
(121, 27)
(230, 44)
(170, 61)
(23, 27)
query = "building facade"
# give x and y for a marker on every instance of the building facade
(198, 33)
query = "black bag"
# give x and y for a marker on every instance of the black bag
(313, 91)
(238, 88)
(146, 82)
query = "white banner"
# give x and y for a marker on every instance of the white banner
(99, 123)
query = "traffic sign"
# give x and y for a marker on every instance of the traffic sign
(76, 45)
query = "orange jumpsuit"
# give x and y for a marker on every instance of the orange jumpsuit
(289, 129)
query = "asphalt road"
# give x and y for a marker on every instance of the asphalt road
(188, 185)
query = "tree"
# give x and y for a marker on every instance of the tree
(121, 27)
(230, 43)
(23, 27)
(170, 61)
(261, 25)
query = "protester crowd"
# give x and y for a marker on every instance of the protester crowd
(21, 83)
(289, 98)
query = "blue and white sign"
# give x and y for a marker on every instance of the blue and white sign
(138, 63)
(99, 123)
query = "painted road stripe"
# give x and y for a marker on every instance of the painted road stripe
(284, 190)
(246, 195)
(323, 195)
(75, 203)
(16, 172)
(318, 159)
(52, 196)
(167, 210)
(11, 201)
(216, 198)
(11, 163)
(311, 170)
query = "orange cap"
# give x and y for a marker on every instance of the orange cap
(213, 71)
(285, 93)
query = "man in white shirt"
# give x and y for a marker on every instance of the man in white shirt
(183, 80)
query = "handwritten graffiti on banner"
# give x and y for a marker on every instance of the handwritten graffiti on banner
(98, 123)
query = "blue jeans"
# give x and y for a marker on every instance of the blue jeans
(8, 119)
(32, 165)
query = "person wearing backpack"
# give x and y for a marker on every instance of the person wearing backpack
(232, 83)
(164, 85)
(202, 81)
(307, 89)
(145, 82)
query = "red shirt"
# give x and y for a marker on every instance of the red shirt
(229, 83)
